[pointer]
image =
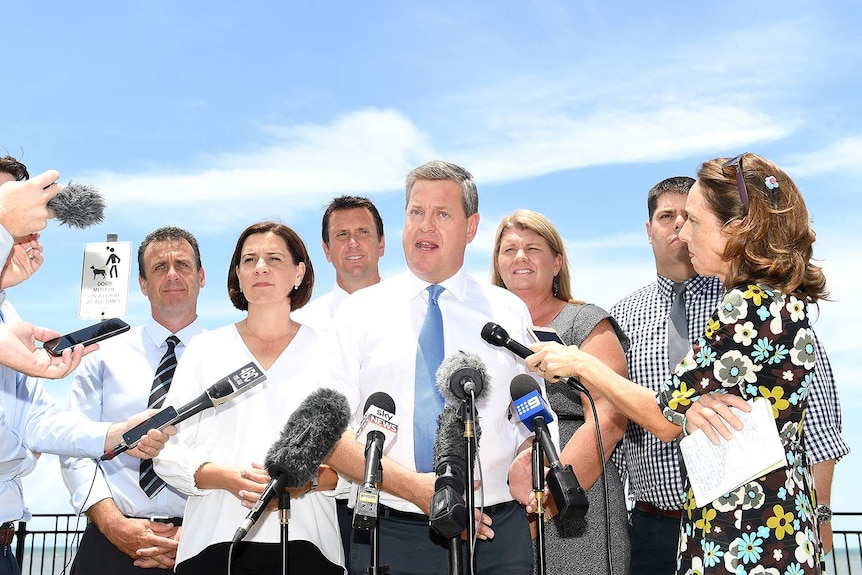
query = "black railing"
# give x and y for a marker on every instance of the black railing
(47, 544)
(847, 544)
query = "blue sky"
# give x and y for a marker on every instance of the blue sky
(213, 115)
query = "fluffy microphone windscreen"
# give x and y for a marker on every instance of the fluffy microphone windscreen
(450, 435)
(78, 205)
(309, 435)
(455, 369)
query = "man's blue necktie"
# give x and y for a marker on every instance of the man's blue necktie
(427, 403)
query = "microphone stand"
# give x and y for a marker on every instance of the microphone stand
(284, 516)
(470, 495)
(539, 492)
(374, 568)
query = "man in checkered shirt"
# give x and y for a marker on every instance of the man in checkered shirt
(655, 485)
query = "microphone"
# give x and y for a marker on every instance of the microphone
(378, 426)
(461, 374)
(448, 515)
(496, 334)
(309, 435)
(530, 407)
(220, 392)
(78, 205)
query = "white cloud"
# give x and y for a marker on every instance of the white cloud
(840, 156)
(363, 151)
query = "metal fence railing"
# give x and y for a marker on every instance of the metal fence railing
(46, 544)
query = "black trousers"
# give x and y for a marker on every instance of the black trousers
(96, 554)
(408, 546)
(250, 558)
(654, 541)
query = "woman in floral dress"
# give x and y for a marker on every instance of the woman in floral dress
(748, 225)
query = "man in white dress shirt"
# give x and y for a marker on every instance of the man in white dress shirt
(353, 241)
(373, 348)
(128, 530)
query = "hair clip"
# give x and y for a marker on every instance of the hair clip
(771, 182)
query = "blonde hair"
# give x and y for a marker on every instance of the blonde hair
(530, 220)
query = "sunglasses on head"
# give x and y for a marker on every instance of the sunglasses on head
(740, 181)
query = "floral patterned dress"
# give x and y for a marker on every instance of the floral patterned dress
(758, 343)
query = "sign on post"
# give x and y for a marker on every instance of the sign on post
(105, 280)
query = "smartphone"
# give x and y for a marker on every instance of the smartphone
(162, 419)
(86, 336)
(544, 334)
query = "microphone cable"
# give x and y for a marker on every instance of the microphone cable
(478, 466)
(78, 515)
(577, 386)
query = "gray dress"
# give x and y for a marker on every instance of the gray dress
(579, 546)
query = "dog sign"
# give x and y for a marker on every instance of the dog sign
(105, 280)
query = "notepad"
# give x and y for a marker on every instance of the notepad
(715, 470)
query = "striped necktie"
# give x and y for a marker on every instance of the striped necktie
(149, 481)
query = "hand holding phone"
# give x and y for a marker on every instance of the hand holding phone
(86, 336)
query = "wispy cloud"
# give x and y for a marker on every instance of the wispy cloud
(842, 155)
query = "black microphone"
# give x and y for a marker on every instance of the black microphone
(462, 375)
(78, 205)
(448, 515)
(496, 334)
(309, 435)
(220, 392)
(378, 426)
(530, 407)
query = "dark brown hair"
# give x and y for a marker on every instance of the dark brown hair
(298, 297)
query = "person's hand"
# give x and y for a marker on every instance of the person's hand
(24, 205)
(18, 351)
(711, 413)
(150, 444)
(162, 553)
(23, 261)
(552, 361)
(521, 480)
(483, 525)
(156, 542)
(255, 479)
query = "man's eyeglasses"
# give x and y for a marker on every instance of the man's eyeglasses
(740, 181)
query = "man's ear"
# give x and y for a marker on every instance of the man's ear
(472, 227)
